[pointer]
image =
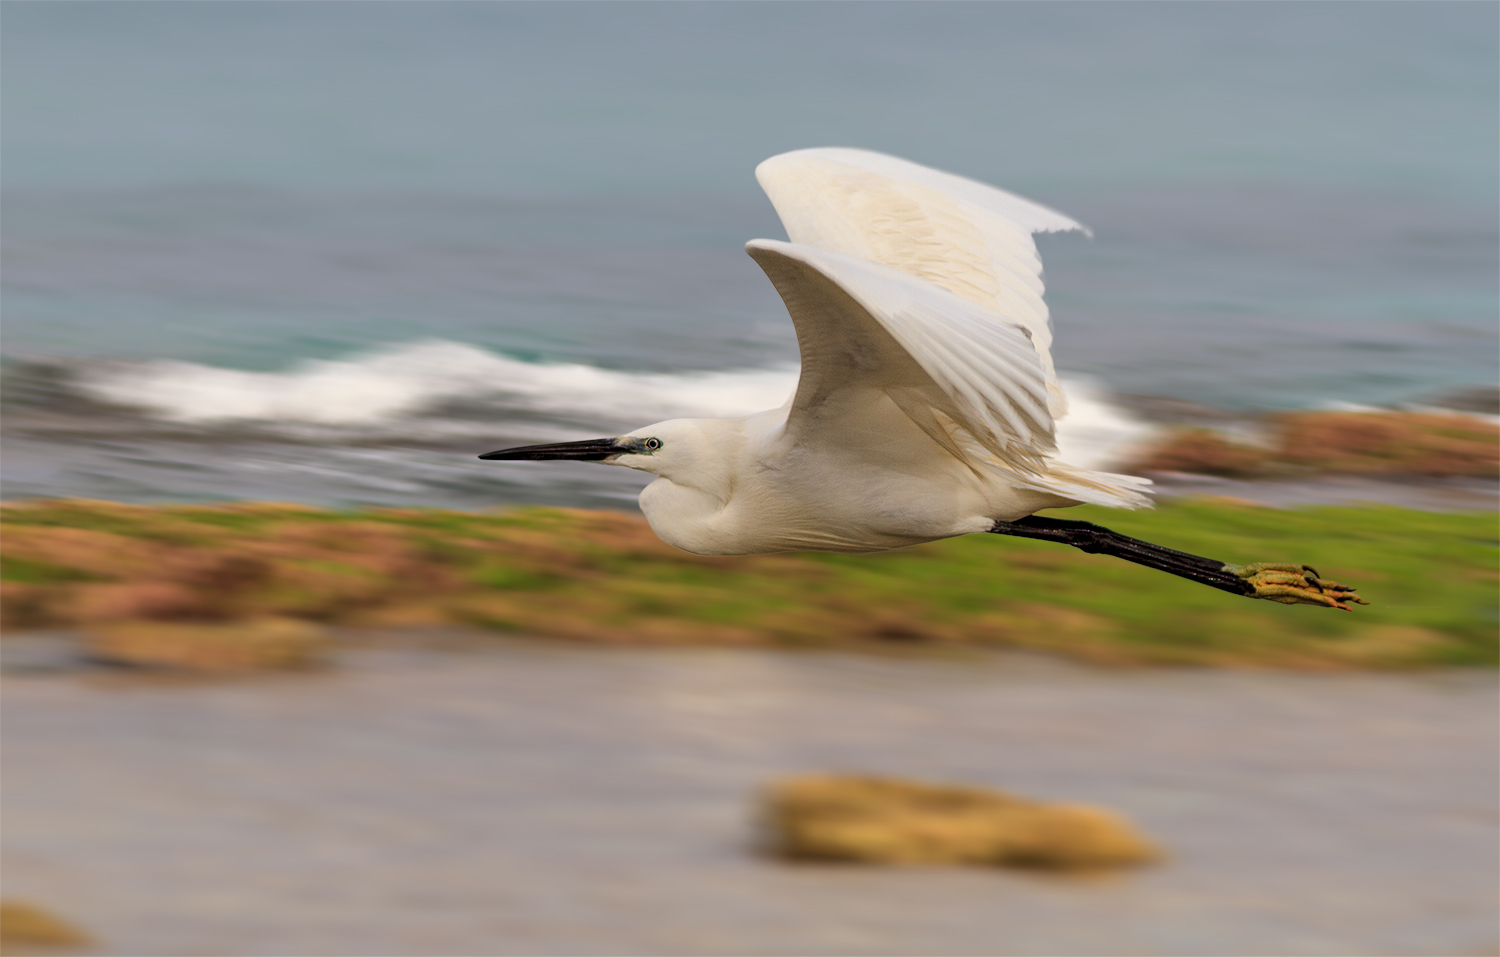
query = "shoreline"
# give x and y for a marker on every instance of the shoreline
(249, 585)
(1390, 456)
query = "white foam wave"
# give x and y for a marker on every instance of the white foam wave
(403, 381)
(407, 379)
(1096, 433)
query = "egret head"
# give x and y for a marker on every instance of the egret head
(676, 448)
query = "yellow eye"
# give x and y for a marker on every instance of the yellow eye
(652, 444)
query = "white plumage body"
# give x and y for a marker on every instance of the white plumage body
(927, 398)
(766, 492)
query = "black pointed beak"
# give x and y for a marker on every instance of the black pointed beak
(589, 450)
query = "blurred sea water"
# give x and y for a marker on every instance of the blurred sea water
(329, 252)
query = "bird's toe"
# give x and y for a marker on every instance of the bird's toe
(1294, 585)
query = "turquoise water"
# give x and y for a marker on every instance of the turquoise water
(1293, 204)
(641, 98)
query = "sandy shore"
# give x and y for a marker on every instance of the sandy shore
(541, 799)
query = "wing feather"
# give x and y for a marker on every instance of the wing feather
(950, 364)
(969, 238)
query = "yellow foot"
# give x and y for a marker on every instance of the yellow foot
(1294, 585)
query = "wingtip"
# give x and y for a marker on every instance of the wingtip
(1035, 217)
(778, 247)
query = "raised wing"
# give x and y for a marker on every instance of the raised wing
(974, 384)
(971, 239)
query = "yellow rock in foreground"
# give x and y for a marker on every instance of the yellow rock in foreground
(885, 821)
(262, 643)
(22, 923)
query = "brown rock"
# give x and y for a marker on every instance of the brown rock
(886, 821)
(1392, 442)
(257, 644)
(23, 605)
(23, 923)
(127, 601)
(1202, 452)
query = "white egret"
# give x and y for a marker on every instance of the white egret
(927, 398)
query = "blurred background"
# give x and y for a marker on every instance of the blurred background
(328, 252)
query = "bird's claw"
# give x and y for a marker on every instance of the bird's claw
(1294, 585)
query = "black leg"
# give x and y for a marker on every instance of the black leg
(1289, 584)
(1097, 540)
